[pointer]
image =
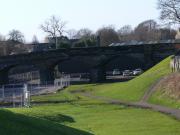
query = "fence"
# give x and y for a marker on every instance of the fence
(15, 95)
(175, 63)
(24, 77)
(18, 95)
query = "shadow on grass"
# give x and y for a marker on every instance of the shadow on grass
(60, 118)
(53, 102)
(18, 124)
(10, 105)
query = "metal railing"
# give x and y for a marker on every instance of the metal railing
(18, 95)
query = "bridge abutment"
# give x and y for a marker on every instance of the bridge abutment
(4, 77)
(46, 76)
(97, 75)
(148, 56)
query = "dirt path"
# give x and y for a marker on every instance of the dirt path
(173, 112)
(150, 91)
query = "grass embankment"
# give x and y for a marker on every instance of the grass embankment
(132, 90)
(104, 119)
(168, 91)
(95, 117)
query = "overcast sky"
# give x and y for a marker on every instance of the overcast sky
(27, 15)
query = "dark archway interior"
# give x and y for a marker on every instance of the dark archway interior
(124, 63)
(79, 65)
(74, 66)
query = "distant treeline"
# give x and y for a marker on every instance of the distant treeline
(148, 30)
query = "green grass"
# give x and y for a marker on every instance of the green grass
(102, 119)
(63, 96)
(88, 116)
(132, 90)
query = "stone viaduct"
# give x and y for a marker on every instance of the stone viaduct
(94, 60)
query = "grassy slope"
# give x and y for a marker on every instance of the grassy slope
(159, 98)
(104, 119)
(62, 96)
(132, 90)
(20, 124)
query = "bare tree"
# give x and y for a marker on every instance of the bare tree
(84, 33)
(54, 27)
(146, 31)
(127, 29)
(16, 35)
(108, 35)
(72, 34)
(125, 33)
(170, 10)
